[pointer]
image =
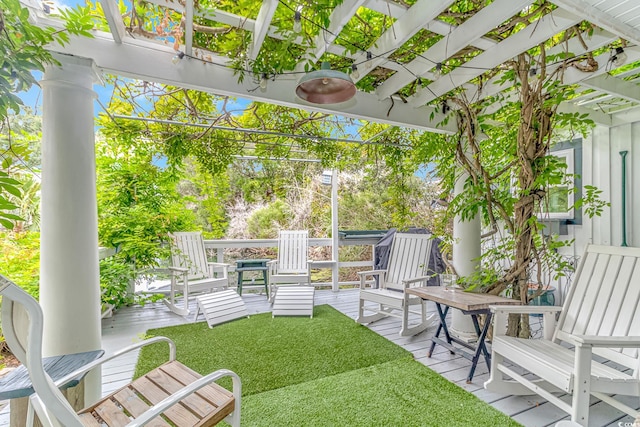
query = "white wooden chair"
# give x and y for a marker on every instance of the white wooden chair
(600, 316)
(408, 265)
(190, 270)
(171, 394)
(292, 265)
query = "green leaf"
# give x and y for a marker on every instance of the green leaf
(11, 216)
(6, 224)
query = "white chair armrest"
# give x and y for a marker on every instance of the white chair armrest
(272, 266)
(371, 272)
(180, 270)
(598, 341)
(89, 366)
(548, 316)
(407, 283)
(216, 267)
(364, 274)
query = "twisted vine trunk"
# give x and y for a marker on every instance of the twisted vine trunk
(534, 136)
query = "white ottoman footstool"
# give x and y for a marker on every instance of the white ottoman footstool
(222, 306)
(293, 301)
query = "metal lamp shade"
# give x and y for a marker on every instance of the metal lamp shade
(326, 86)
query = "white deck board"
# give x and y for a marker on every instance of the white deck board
(130, 324)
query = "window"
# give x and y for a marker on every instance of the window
(560, 197)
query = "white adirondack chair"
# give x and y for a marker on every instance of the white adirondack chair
(191, 272)
(408, 265)
(601, 316)
(186, 397)
(292, 265)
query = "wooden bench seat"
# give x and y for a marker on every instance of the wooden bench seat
(556, 364)
(206, 407)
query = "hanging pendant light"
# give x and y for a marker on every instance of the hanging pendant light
(326, 86)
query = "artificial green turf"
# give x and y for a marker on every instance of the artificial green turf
(268, 353)
(397, 393)
(325, 371)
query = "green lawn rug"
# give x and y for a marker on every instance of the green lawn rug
(402, 393)
(324, 371)
(269, 353)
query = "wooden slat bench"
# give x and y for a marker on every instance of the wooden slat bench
(206, 407)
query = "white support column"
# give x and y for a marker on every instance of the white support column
(69, 269)
(334, 230)
(466, 250)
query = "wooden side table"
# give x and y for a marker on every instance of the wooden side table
(470, 303)
(243, 265)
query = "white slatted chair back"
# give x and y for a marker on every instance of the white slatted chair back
(604, 300)
(293, 251)
(188, 251)
(20, 310)
(409, 258)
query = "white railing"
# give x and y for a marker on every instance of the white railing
(220, 245)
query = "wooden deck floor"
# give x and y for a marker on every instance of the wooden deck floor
(130, 324)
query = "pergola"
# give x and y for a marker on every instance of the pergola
(397, 85)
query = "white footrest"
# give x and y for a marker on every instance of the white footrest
(222, 306)
(293, 301)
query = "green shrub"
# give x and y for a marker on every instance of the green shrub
(265, 222)
(20, 259)
(115, 279)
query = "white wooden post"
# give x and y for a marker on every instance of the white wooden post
(69, 269)
(466, 250)
(334, 230)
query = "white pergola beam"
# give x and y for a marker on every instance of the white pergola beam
(114, 19)
(530, 36)
(263, 23)
(626, 117)
(573, 75)
(140, 62)
(496, 84)
(600, 18)
(188, 27)
(436, 26)
(599, 117)
(222, 17)
(400, 31)
(614, 87)
(389, 8)
(340, 16)
(226, 18)
(600, 96)
(464, 35)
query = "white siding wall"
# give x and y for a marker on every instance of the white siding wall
(602, 167)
